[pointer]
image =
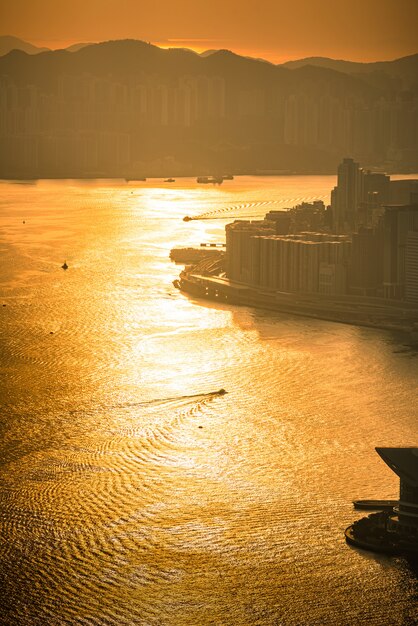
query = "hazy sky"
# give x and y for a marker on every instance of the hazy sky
(360, 30)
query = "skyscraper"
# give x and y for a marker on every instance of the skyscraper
(400, 223)
(346, 196)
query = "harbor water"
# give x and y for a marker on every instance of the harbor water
(130, 493)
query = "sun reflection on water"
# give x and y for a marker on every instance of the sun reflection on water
(123, 481)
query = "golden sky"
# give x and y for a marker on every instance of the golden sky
(359, 30)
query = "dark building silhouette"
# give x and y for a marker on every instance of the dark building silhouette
(282, 221)
(366, 267)
(346, 196)
(402, 191)
(358, 197)
(404, 520)
(400, 278)
(394, 529)
(375, 194)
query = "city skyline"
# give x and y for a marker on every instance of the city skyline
(131, 109)
(278, 33)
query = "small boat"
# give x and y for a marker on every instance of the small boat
(170, 180)
(65, 266)
(187, 219)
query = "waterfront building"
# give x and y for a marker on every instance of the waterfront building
(305, 262)
(239, 265)
(404, 519)
(394, 528)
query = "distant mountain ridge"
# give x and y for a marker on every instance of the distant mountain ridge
(405, 68)
(123, 58)
(8, 43)
(78, 46)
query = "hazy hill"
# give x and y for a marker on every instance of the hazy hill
(131, 58)
(77, 46)
(8, 43)
(404, 69)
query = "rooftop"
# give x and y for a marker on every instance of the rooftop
(403, 461)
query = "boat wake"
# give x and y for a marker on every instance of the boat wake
(252, 209)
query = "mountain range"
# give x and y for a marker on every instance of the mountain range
(9, 43)
(405, 68)
(124, 58)
(380, 73)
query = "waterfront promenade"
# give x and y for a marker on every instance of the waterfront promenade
(348, 309)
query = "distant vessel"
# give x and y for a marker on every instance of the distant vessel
(65, 266)
(128, 180)
(170, 180)
(210, 179)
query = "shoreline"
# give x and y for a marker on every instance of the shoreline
(346, 309)
(256, 173)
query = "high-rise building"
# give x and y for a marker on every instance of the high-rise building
(306, 262)
(238, 248)
(398, 222)
(375, 195)
(400, 191)
(366, 268)
(346, 196)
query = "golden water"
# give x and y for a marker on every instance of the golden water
(129, 496)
